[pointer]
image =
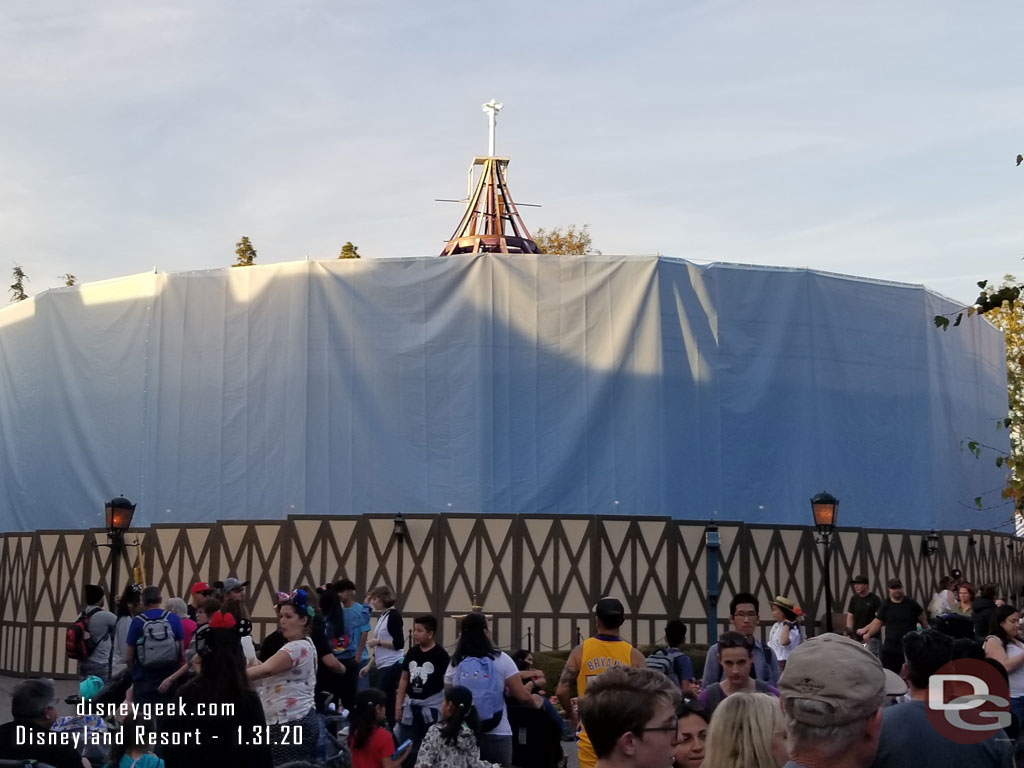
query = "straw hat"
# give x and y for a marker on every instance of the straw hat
(791, 609)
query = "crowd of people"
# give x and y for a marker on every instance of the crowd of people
(823, 701)
(185, 684)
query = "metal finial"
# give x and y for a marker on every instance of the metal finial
(492, 108)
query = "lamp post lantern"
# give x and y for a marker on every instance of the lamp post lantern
(825, 508)
(119, 512)
(401, 528)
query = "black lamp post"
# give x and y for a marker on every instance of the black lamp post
(825, 507)
(401, 529)
(931, 543)
(119, 513)
(713, 543)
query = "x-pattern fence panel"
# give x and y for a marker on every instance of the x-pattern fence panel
(535, 576)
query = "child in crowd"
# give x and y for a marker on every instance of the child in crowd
(419, 697)
(371, 745)
(452, 742)
(134, 752)
(785, 632)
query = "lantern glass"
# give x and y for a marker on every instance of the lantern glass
(825, 508)
(119, 514)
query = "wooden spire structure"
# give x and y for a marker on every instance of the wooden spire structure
(491, 223)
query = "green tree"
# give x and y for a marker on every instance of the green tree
(1001, 307)
(18, 286)
(69, 279)
(349, 251)
(571, 242)
(245, 253)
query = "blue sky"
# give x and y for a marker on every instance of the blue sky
(874, 138)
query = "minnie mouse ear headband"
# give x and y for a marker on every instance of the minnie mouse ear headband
(223, 627)
(299, 600)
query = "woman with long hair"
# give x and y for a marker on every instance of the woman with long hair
(1004, 645)
(233, 730)
(289, 684)
(128, 606)
(370, 744)
(452, 743)
(333, 614)
(487, 672)
(747, 730)
(240, 610)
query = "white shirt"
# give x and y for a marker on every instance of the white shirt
(775, 640)
(289, 695)
(505, 668)
(1013, 649)
(385, 657)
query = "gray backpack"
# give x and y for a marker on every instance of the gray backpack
(158, 647)
(664, 660)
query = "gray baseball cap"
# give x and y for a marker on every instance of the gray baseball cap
(231, 583)
(841, 673)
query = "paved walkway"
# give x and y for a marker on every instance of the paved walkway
(68, 687)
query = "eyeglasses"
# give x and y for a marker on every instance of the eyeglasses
(673, 729)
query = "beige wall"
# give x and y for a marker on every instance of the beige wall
(536, 576)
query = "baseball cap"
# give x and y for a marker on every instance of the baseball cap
(859, 579)
(610, 611)
(200, 586)
(230, 584)
(895, 584)
(840, 672)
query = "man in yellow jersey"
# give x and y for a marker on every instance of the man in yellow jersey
(604, 651)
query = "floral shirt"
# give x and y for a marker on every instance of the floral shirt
(288, 696)
(435, 752)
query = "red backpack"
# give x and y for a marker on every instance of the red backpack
(77, 642)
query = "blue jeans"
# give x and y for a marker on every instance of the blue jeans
(364, 682)
(1017, 709)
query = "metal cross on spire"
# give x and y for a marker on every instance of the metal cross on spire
(491, 223)
(492, 108)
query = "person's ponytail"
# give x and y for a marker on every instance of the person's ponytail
(463, 713)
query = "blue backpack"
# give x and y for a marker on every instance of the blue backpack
(488, 689)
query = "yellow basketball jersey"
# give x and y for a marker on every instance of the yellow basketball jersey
(599, 655)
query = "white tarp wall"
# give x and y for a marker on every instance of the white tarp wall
(524, 384)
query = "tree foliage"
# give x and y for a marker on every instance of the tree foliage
(18, 286)
(349, 251)
(1001, 307)
(245, 253)
(572, 241)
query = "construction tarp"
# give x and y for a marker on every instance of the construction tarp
(496, 385)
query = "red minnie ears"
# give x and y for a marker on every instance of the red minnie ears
(222, 621)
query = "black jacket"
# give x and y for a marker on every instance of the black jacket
(982, 610)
